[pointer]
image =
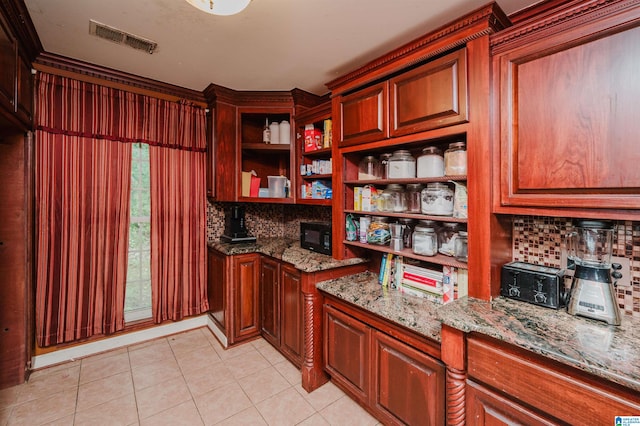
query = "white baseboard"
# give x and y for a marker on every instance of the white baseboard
(81, 351)
(217, 332)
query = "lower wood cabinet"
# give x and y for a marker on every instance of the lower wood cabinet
(281, 308)
(396, 382)
(233, 285)
(508, 385)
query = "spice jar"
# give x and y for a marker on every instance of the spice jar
(397, 198)
(378, 232)
(407, 232)
(455, 159)
(414, 197)
(384, 165)
(425, 241)
(430, 163)
(402, 165)
(462, 247)
(437, 199)
(447, 236)
(369, 168)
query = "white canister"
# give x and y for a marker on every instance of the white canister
(274, 128)
(285, 132)
(430, 163)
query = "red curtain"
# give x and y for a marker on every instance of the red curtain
(83, 169)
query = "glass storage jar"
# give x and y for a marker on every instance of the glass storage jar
(425, 241)
(369, 168)
(378, 232)
(384, 165)
(462, 247)
(407, 232)
(397, 198)
(430, 163)
(437, 199)
(414, 197)
(402, 165)
(455, 159)
(447, 236)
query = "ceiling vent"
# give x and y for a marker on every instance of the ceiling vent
(121, 37)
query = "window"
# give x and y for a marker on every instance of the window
(137, 304)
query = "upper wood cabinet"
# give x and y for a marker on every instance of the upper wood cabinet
(8, 63)
(567, 117)
(430, 96)
(363, 115)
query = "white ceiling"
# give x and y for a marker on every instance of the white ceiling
(271, 45)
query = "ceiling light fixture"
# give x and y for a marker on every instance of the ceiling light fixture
(220, 7)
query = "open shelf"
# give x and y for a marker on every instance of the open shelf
(438, 259)
(417, 216)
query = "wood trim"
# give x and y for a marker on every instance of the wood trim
(84, 71)
(485, 20)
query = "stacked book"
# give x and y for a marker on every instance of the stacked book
(422, 282)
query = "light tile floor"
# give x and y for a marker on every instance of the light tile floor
(184, 379)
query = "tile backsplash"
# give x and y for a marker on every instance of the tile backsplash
(267, 220)
(540, 240)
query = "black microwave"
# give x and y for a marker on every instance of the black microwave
(316, 236)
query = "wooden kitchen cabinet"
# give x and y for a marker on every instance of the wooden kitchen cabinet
(233, 286)
(505, 382)
(281, 308)
(430, 96)
(362, 116)
(347, 353)
(567, 88)
(8, 61)
(396, 382)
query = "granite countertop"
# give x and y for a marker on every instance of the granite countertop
(288, 250)
(609, 352)
(364, 291)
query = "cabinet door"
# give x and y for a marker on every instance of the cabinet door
(291, 303)
(430, 96)
(363, 115)
(486, 408)
(408, 385)
(270, 300)
(568, 110)
(347, 352)
(8, 66)
(217, 287)
(24, 106)
(222, 153)
(245, 301)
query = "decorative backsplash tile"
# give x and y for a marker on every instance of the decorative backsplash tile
(267, 220)
(540, 240)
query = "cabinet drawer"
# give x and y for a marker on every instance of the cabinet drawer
(431, 96)
(363, 115)
(527, 378)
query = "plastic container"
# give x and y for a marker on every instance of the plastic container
(274, 128)
(378, 232)
(437, 199)
(285, 132)
(455, 159)
(277, 186)
(369, 168)
(402, 165)
(430, 163)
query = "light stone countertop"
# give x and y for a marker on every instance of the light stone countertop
(288, 250)
(609, 352)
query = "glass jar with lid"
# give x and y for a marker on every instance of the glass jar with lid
(425, 240)
(397, 198)
(437, 199)
(447, 236)
(402, 165)
(369, 168)
(462, 247)
(414, 197)
(455, 159)
(384, 165)
(430, 163)
(378, 232)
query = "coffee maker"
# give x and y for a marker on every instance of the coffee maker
(235, 230)
(593, 293)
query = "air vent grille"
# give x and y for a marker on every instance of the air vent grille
(121, 37)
